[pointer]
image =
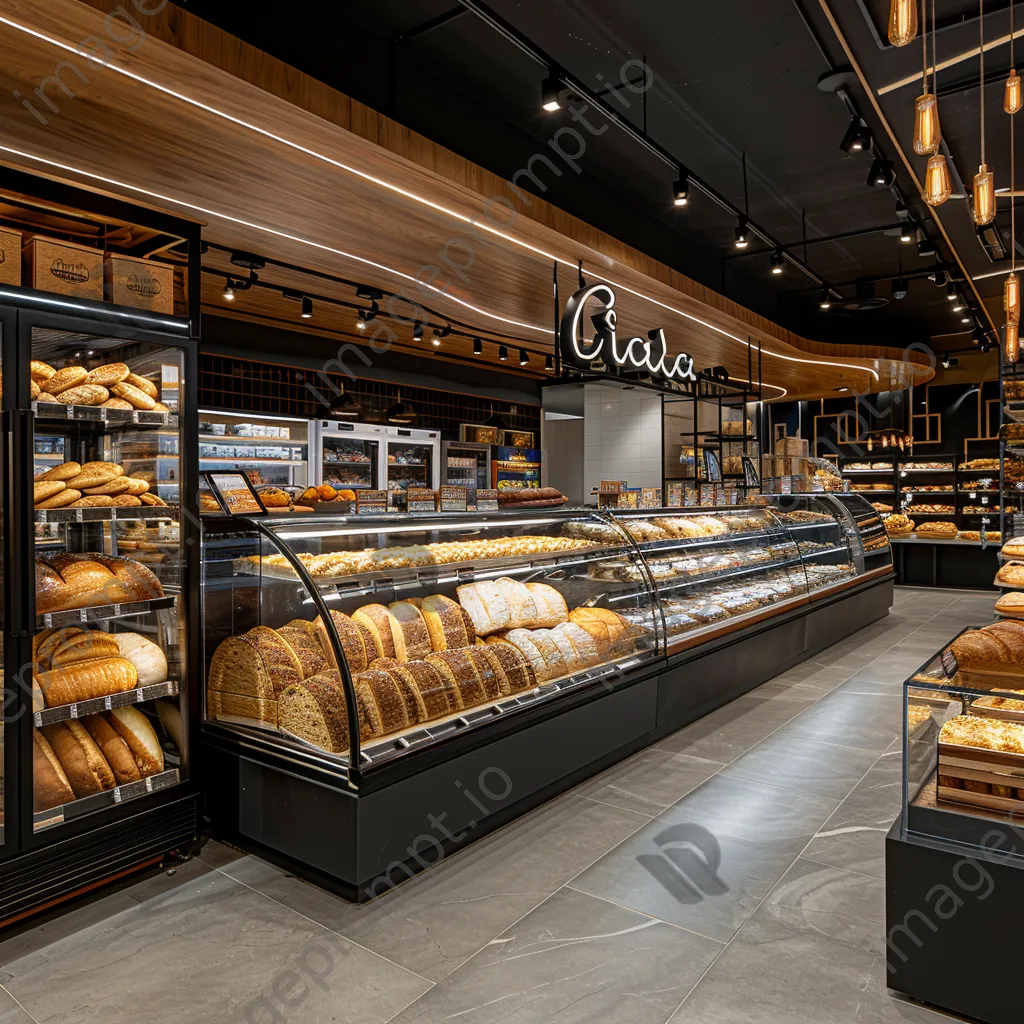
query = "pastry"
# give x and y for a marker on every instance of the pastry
(112, 373)
(49, 783)
(134, 728)
(138, 398)
(69, 377)
(83, 762)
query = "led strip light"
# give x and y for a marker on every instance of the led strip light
(415, 197)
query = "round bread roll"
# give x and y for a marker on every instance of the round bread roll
(112, 373)
(84, 394)
(44, 489)
(69, 377)
(40, 371)
(60, 499)
(65, 471)
(117, 403)
(130, 393)
(143, 384)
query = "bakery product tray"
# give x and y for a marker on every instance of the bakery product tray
(104, 514)
(108, 798)
(103, 612)
(982, 766)
(66, 712)
(108, 417)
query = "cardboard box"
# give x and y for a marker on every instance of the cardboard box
(10, 257)
(63, 267)
(791, 447)
(142, 284)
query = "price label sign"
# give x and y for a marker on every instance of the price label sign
(487, 501)
(421, 499)
(371, 503)
(453, 498)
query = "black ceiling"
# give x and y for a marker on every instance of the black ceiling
(728, 78)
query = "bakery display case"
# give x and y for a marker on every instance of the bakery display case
(412, 459)
(358, 663)
(346, 455)
(270, 450)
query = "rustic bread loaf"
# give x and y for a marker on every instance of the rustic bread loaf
(43, 489)
(357, 645)
(65, 471)
(315, 711)
(457, 667)
(134, 395)
(94, 475)
(149, 660)
(134, 728)
(439, 695)
(119, 485)
(61, 499)
(306, 649)
(82, 760)
(491, 683)
(520, 601)
(306, 625)
(123, 500)
(118, 403)
(1011, 603)
(40, 372)
(144, 384)
(50, 785)
(112, 373)
(69, 377)
(136, 486)
(447, 623)
(380, 625)
(92, 501)
(583, 643)
(84, 394)
(114, 749)
(84, 646)
(384, 701)
(486, 605)
(978, 651)
(511, 666)
(101, 677)
(551, 606)
(136, 582)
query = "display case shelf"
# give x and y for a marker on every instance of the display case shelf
(95, 414)
(81, 708)
(104, 514)
(103, 613)
(108, 798)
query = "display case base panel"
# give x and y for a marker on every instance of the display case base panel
(945, 903)
(946, 565)
(361, 845)
(65, 868)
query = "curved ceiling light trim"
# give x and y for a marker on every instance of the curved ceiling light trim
(206, 211)
(415, 197)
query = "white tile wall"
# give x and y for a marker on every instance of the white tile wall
(621, 437)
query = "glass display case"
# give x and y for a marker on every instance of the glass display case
(270, 450)
(400, 631)
(412, 461)
(347, 455)
(466, 464)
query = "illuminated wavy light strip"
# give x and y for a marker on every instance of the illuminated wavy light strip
(272, 231)
(383, 183)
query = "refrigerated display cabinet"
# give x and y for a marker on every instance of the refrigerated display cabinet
(358, 668)
(515, 468)
(466, 464)
(346, 455)
(412, 460)
(270, 450)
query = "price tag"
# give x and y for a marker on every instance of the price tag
(73, 711)
(371, 503)
(117, 794)
(453, 498)
(139, 696)
(107, 704)
(421, 499)
(487, 501)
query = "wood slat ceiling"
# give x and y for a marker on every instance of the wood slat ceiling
(271, 178)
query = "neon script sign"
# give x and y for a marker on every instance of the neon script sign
(635, 354)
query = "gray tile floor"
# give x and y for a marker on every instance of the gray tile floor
(569, 913)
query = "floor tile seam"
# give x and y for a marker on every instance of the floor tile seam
(324, 927)
(30, 1016)
(616, 807)
(761, 903)
(833, 867)
(642, 913)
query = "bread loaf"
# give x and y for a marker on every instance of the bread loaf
(555, 664)
(439, 695)
(94, 476)
(69, 377)
(458, 667)
(448, 625)
(583, 644)
(114, 749)
(85, 581)
(51, 590)
(149, 660)
(65, 471)
(134, 728)
(40, 372)
(98, 678)
(1011, 634)
(522, 640)
(977, 651)
(551, 606)
(61, 499)
(384, 701)
(50, 785)
(379, 623)
(136, 486)
(307, 626)
(415, 637)
(306, 649)
(84, 394)
(135, 395)
(124, 500)
(118, 403)
(492, 684)
(84, 646)
(486, 605)
(511, 666)
(43, 489)
(119, 485)
(134, 581)
(84, 764)
(1011, 603)
(144, 384)
(92, 501)
(112, 373)
(315, 711)
(359, 651)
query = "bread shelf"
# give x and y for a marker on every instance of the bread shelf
(104, 514)
(66, 712)
(103, 613)
(108, 798)
(249, 462)
(244, 439)
(106, 417)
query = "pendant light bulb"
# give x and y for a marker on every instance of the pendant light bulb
(1012, 100)
(936, 181)
(1011, 299)
(927, 133)
(902, 22)
(984, 196)
(1011, 349)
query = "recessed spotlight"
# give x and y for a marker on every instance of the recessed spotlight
(551, 94)
(778, 262)
(950, 361)
(307, 307)
(681, 190)
(841, 389)
(742, 236)
(502, 353)
(523, 357)
(478, 347)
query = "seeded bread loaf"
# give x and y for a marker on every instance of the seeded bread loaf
(415, 637)
(439, 695)
(458, 668)
(356, 644)
(449, 626)
(381, 626)
(306, 649)
(315, 711)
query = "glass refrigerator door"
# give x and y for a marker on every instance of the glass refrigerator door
(109, 647)
(410, 464)
(350, 462)
(467, 467)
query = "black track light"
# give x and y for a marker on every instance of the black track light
(906, 234)
(440, 333)
(478, 347)
(551, 95)
(436, 339)
(778, 262)
(958, 305)
(229, 291)
(549, 363)
(882, 173)
(826, 298)
(950, 361)
(951, 293)
(417, 332)
(502, 353)
(742, 235)
(902, 213)
(681, 190)
(307, 307)
(926, 247)
(900, 288)
(857, 138)
(524, 358)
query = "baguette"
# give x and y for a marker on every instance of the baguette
(134, 728)
(83, 762)
(100, 678)
(113, 748)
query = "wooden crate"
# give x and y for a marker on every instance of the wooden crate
(10, 257)
(139, 283)
(63, 267)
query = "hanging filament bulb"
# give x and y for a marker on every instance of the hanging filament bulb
(936, 181)
(926, 124)
(1011, 298)
(1011, 349)
(902, 21)
(984, 196)
(1012, 101)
